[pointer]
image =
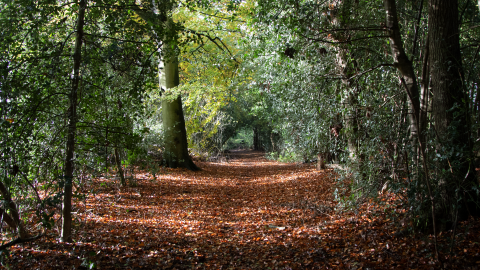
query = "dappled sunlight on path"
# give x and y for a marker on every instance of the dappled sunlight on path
(227, 213)
(248, 213)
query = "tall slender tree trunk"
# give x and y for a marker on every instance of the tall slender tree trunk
(424, 98)
(256, 139)
(405, 67)
(341, 20)
(66, 235)
(176, 146)
(118, 161)
(409, 81)
(351, 124)
(272, 141)
(451, 113)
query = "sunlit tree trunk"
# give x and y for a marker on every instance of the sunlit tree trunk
(341, 20)
(66, 235)
(176, 146)
(321, 161)
(451, 113)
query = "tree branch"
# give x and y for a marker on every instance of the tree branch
(369, 70)
(214, 40)
(19, 241)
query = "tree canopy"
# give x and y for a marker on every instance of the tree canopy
(386, 91)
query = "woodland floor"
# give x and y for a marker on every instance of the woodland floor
(248, 213)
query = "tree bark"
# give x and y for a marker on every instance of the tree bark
(451, 113)
(404, 66)
(321, 161)
(66, 234)
(408, 79)
(12, 220)
(19, 240)
(341, 20)
(256, 140)
(424, 101)
(351, 124)
(118, 161)
(9, 220)
(176, 146)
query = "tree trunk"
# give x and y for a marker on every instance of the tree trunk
(409, 81)
(272, 141)
(13, 220)
(256, 139)
(66, 235)
(118, 161)
(451, 113)
(341, 20)
(350, 117)
(351, 124)
(274, 138)
(321, 161)
(424, 99)
(405, 67)
(176, 146)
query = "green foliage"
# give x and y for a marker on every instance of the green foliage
(208, 64)
(242, 140)
(36, 62)
(316, 75)
(295, 79)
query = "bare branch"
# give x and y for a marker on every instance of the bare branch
(19, 241)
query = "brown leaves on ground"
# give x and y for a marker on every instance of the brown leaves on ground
(249, 213)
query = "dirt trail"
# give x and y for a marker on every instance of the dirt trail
(249, 213)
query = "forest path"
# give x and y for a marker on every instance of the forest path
(245, 213)
(249, 213)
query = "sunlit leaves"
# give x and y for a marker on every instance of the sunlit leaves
(247, 213)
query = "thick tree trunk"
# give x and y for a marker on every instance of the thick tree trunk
(66, 235)
(176, 146)
(451, 113)
(9, 220)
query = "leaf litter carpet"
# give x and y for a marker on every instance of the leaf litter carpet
(248, 213)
